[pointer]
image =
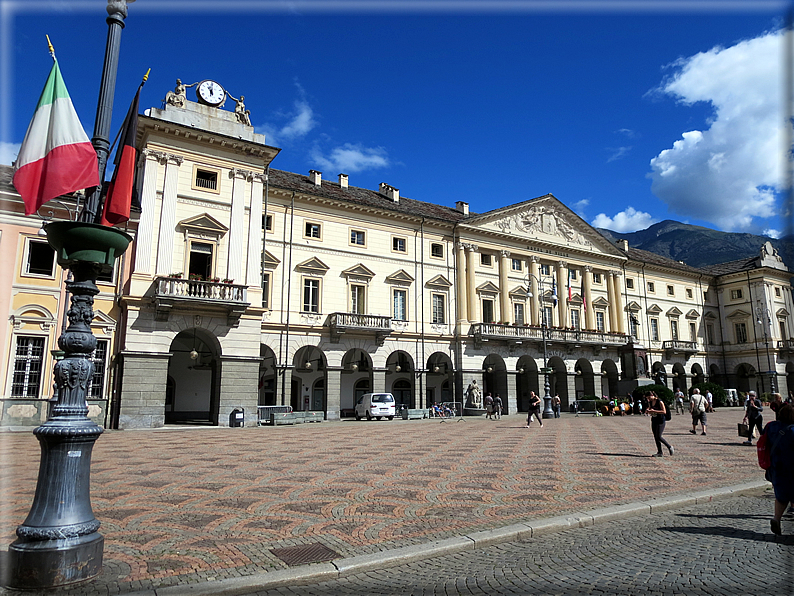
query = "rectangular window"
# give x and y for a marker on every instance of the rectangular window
(600, 321)
(596, 278)
(99, 358)
(28, 362)
(693, 334)
(689, 293)
(439, 309)
(783, 334)
(487, 312)
(311, 295)
(574, 274)
(266, 290)
(200, 261)
(358, 300)
(40, 259)
(267, 223)
(651, 287)
(736, 294)
(547, 316)
(516, 265)
(629, 283)
(486, 260)
(634, 325)
(655, 329)
(398, 244)
(741, 333)
(437, 251)
(545, 269)
(575, 318)
(673, 329)
(518, 313)
(206, 179)
(108, 277)
(313, 230)
(710, 334)
(400, 312)
(357, 238)
(670, 290)
(777, 292)
(705, 296)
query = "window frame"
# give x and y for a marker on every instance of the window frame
(267, 222)
(306, 306)
(674, 331)
(597, 278)
(26, 272)
(737, 294)
(394, 294)
(690, 294)
(651, 287)
(433, 247)
(354, 235)
(600, 321)
(209, 170)
(99, 378)
(654, 325)
(309, 225)
(492, 306)
(213, 261)
(29, 361)
(576, 318)
(629, 283)
(670, 290)
(486, 259)
(545, 269)
(519, 318)
(267, 284)
(516, 265)
(438, 302)
(740, 332)
(397, 239)
(356, 293)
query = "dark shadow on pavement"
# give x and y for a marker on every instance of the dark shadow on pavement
(619, 454)
(730, 532)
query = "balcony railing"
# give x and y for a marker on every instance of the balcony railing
(786, 345)
(170, 292)
(677, 346)
(342, 322)
(518, 334)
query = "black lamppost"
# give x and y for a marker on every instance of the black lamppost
(58, 543)
(763, 320)
(548, 412)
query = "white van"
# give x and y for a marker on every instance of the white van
(375, 405)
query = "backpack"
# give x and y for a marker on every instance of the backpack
(764, 453)
(668, 415)
(778, 451)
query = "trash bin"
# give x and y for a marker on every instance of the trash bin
(237, 418)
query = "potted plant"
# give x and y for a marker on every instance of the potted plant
(228, 281)
(196, 277)
(175, 275)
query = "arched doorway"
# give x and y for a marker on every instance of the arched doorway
(194, 378)
(697, 375)
(679, 377)
(494, 379)
(309, 367)
(715, 376)
(439, 380)
(609, 379)
(356, 377)
(267, 377)
(399, 378)
(585, 379)
(527, 381)
(659, 374)
(746, 379)
(558, 381)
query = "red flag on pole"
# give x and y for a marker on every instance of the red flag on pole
(120, 189)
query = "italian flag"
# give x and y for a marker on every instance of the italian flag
(56, 156)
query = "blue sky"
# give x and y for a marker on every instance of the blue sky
(629, 112)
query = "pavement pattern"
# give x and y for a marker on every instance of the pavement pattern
(722, 548)
(189, 505)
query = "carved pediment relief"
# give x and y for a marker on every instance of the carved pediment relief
(203, 224)
(313, 265)
(487, 288)
(270, 261)
(400, 277)
(359, 271)
(440, 282)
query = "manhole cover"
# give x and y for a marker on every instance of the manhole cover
(305, 553)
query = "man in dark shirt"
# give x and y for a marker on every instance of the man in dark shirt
(753, 416)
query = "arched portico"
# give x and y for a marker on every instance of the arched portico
(400, 378)
(494, 378)
(307, 387)
(192, 387)
(527, 370)
(585, 379)
(609, 378)
(439, 387)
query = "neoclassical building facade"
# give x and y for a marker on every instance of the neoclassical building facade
(249, 286)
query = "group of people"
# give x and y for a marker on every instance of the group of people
(493, 406)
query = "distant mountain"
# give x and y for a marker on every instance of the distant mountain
(698, 246)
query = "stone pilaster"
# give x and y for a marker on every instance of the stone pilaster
(239, 388)
(333, 390)
(534, 302)
(471, 282)
(511, 399)
(562, 293)
(589, 313)
(144, 243)
(236, 252)
(165, 239)
(253, 270)
(504, 290)
(463, 306)
(142, 401)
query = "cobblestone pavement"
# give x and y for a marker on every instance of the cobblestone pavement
(722, 548)
(183, 506)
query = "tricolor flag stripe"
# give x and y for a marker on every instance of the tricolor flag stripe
(56, 156)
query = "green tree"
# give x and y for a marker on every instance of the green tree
(718, 395)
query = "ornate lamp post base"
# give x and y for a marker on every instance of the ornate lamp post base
(58, 543)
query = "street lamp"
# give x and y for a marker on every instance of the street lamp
(547, 411)
(762, 318)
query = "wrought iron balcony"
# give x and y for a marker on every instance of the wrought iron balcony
(171, 292)
(344, 322)
(676, 346)
(516, 334)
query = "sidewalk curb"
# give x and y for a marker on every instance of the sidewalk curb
(339, 568)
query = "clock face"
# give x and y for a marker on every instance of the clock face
(210, 93)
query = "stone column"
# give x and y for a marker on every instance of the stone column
(284, 391)
(333, 390)
(463, 307)
(534, 302)
(165, 239)
(471, 282)
(562, 293)
(379, 380)
(613, 326)
(620, 316)
(144, 243)
(142, 400)
(511, 399)
(504, 290)
(238, 388)
(234, 264)
(253, 270)
(589, 313)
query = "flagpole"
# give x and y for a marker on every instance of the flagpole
(117, 12)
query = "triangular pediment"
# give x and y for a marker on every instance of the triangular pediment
(104, 321)
(654, 309)
(709, 315)
(546, 220)
(487, 288)
(313, 265)
(600, 301)
(204, 223)
(439, 281)
(401, 277)
(633, 306)
(674, 312)
(693, 314)
(738, 314)
(782, 312)
(575, 299)
(360, 271)
(519, 292)
(270, 261)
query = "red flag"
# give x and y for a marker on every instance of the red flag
(120, 189)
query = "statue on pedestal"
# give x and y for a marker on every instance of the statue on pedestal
(474, 395)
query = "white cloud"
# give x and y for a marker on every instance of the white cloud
(772, 233)
(728, 173)
(618, 153)
(579, 207)
(629, 220)
(350, 158)
(302, 121)
(8, 152)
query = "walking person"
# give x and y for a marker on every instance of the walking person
(780, 443)
(697, 407)
(497, 407)
(753, 416)
(658, 409)
(679, 402)
(534, 409)
(555, 405)
(488, 401)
